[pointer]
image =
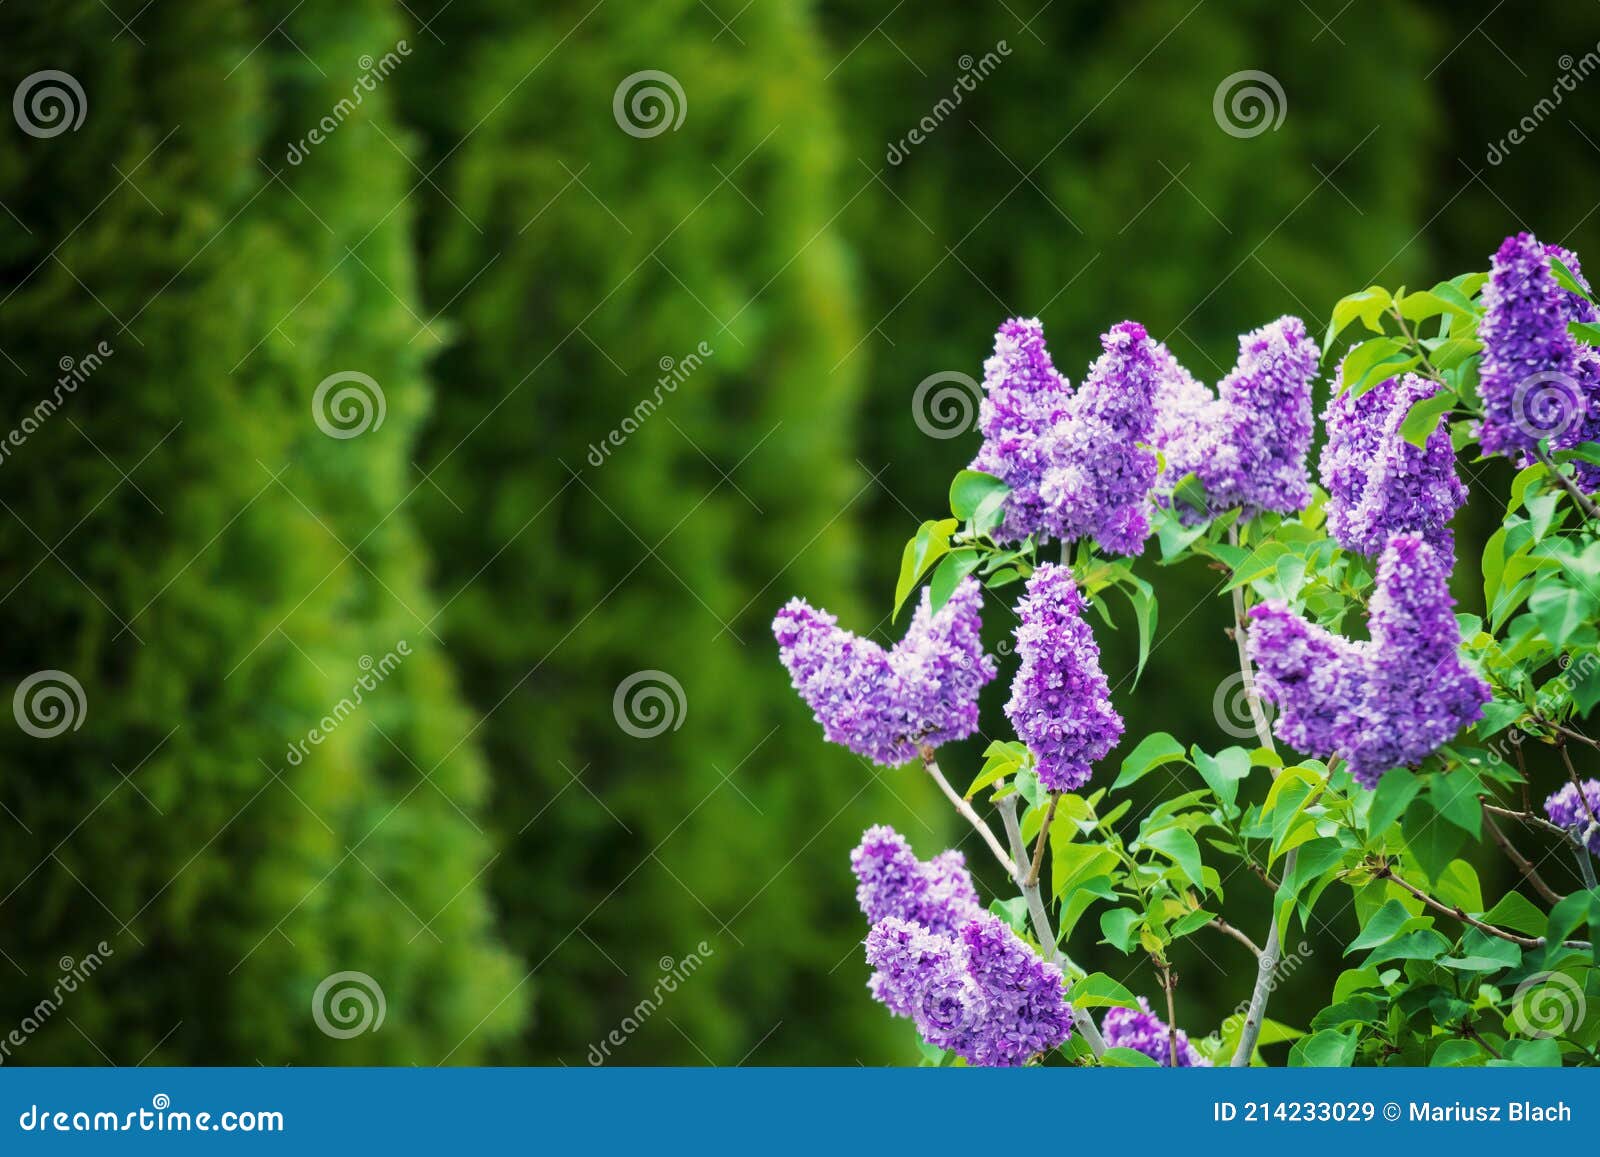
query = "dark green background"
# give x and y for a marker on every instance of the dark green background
(484, 240)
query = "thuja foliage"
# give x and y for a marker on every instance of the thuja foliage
(1389, 729)
(183, 540)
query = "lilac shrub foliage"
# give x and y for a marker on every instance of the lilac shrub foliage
(1375, 756)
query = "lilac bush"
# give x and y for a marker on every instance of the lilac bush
(1385, 731)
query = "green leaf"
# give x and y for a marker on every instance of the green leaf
(1456, 797)
(970, 489)
(1153, 750)
(1421, 944)
(1390, 799)
(1516, 912)
(956, 566)
(1328, 1049)
(1560, 609)
(1121, 1058)
(1423, 418)
(1431, 843)
(925, 548)
(1097, 990)
(1566, 280)
(1013, 911)
(1224, 772)
(1368, 305)
(1118, 927)
(1143, 598)
(1180, 846)
(1387, 923)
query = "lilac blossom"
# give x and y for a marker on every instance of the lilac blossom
(885, 705)
(1378, 483)
(1388, 702)
(1313, 676)
(980, 992)
(1143, 1031)
(1100, 473)
(891, 881)
(1529, 375)
(1248, 443)
(1567, 809)
(1024, 397)
(1060, 701)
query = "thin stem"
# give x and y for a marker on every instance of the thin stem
(1523, 864)
(1267, 961)
(1530, 819)
(1169, 981)
(1384, 872)
(1572, 774)
(1044, 834)
(1227, 929)
(1473, 1033)
(1581, 500)
(1578, 735)
(1040, 917)
(931, 766)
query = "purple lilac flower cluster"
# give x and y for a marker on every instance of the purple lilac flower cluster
(885, 705)
(1101, 469)
(965, 979)
(1378, 483)
(1143, 1031)
(1024, 397)
(982, 993)
(1576, 308)
(1567, 809)
(891, 881)
(1385, 703)
(1247, 444)
(1060, 701)
(1537, 382)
